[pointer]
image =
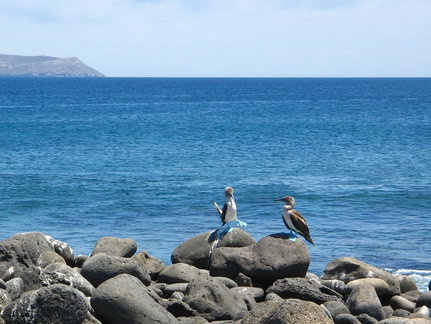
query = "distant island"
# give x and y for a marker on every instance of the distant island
(44, 66)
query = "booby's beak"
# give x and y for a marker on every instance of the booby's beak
(279, 199)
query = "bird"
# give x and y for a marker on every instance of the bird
(294, 220)
(228, 214)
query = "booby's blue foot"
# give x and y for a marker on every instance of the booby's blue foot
(237, 223)
(222, 231)
(292, 236)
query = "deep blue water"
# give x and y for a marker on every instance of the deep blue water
(146, 158)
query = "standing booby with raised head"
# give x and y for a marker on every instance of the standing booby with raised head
(294, 220)
(228, 214)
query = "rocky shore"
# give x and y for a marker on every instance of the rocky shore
(229, 280)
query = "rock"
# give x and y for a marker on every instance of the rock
(48, 257)
(177, 273)
(424, 299)
(290, 311)
(379, 285)
(192, 320)
(402, 320)
(54, 304)
(346, 319)
(366, 319)
(212, 299)
(5, 299)
(336, 307)
(125, 248)
(227, 282)
(348, 269)
(273, 257)
(242, 280)
(153, 265)
(2, 284)
(197, 250)
(180, 309)
(399, 302)
(15, 288)
(125, 299)
(101, 267)
(364, 300)
(177, 295)
(412, 295)
(180, 287)
(301, 288)
(421, 312)
(62, 273)
(400, 313)
(337, 285)
(258, 294)
(79, 261)
(35, 243)
(406, 283)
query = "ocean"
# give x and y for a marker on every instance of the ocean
(145, 158)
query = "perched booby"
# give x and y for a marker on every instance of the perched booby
(228, 213)
(294, 220)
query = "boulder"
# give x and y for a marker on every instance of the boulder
(177, 273)
(290, 311)
(403, 320)
(62, 273)
(125, 299)
(335, 284)
(48, 257)
(399, 302)
(153, 265)
(212, 299)
(348, 269)
(381, 287)
(197, 250)
(301, 288)
(54, 304)
(102, 267)
(5, 299)
(176, 287)
(115, 246)
(336, 307)
(424, 299)
(364, 300)
(406, 283)
(15, 288)
(346, 319)
(273, 257)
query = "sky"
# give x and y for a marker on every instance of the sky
(226, 38)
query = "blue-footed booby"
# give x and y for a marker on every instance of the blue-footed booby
(294, 220)
(228, 213)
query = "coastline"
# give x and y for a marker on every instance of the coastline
(229, 279)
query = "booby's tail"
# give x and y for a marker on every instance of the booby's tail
(309, 239)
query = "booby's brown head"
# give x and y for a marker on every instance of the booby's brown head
(289, 200)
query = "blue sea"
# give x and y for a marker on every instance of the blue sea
(145, 158)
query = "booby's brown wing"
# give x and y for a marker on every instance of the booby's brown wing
(300, 224)
(223, 214)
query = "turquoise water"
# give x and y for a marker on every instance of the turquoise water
(146, 158)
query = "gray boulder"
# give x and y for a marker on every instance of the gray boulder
(424, 300)
(212, 299)
(49, 257)
(406, 283)
(399, 302)
(273, 257)
(115, 246)
(125, 299)
(346, 319)
(348, 269)
(102, 267)
(4, 299)
(153, 265)
(290, 311)
(176, 287)
(197, 250)
(364, 300)
(380, 286)
(178, 273)
(301, 288)
(336, 307)
(15, 288)
(62, 273)
(54, 304)
(335, 284)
